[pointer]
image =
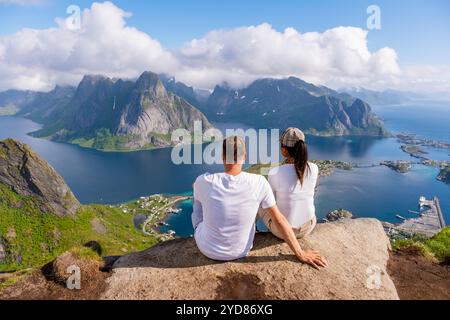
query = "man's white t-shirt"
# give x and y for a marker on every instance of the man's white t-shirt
(224, 213)
(295, 201)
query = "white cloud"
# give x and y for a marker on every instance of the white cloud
(37, 59)
(338, 57)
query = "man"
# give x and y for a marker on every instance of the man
(225, 209)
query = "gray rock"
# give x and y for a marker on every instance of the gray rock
(338, 215)
(357, 252)
(27, 174)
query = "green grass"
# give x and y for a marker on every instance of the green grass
(437, 246)
(104, 140)
(38, 237)
(9, 110)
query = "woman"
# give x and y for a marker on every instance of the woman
(293, 184)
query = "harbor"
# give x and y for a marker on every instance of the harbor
(429, 222)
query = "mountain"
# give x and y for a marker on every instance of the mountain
(180, 89)
(196, 97)
(387, 97)
(11, 101)
(109, 114)
(42, 105)
(281, 103)
(40, 217)
(27, 174)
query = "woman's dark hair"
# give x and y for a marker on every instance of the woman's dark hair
(299, 153)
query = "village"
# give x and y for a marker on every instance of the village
(149, 213)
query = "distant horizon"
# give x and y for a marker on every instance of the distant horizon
(427, 96)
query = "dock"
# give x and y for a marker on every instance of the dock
(430, 221)
(439, 212)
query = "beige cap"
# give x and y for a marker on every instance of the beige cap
(291, 136)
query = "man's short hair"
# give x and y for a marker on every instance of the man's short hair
(233, 150)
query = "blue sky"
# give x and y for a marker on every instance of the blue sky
(204, 43)
(419, 30)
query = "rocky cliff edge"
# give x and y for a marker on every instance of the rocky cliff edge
(357, 252)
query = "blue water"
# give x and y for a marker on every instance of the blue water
(430, 121)
(97, 177)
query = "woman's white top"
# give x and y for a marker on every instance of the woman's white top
(295, 201)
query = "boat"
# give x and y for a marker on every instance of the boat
(400, 217)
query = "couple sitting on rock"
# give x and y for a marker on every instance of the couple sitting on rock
(227, 204)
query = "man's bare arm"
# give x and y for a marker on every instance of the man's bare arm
(310, 257)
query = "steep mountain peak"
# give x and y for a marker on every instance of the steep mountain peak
(27, 174)
(90, 83)
(93, 79)
(150, 82)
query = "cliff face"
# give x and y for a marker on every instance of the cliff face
(357, 252)
(27, 174)
(152, 109)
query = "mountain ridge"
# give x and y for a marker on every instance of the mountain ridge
(121, 115)
(282, 103)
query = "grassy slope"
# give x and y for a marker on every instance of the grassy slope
(39, 237)
(437, 246)
(102, 140)
(9, 110)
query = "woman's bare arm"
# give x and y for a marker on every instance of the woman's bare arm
(310, 257)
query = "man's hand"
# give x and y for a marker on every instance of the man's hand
(313, 258)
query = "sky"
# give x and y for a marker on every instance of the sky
(204, 43)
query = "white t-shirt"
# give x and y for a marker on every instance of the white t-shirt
(224, 213)
(294, 200)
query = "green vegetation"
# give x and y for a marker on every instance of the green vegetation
(104, 140)
(326, 167)
(444, 175)
(155, 208)
(11, 278)
(437, 246)
(400, 166)
(9, 110)
(32, 238)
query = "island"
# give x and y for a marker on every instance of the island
(444, 175)
(401, 166)
(326, 167)
(412, 145)
(414, 151)
(412, 139)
